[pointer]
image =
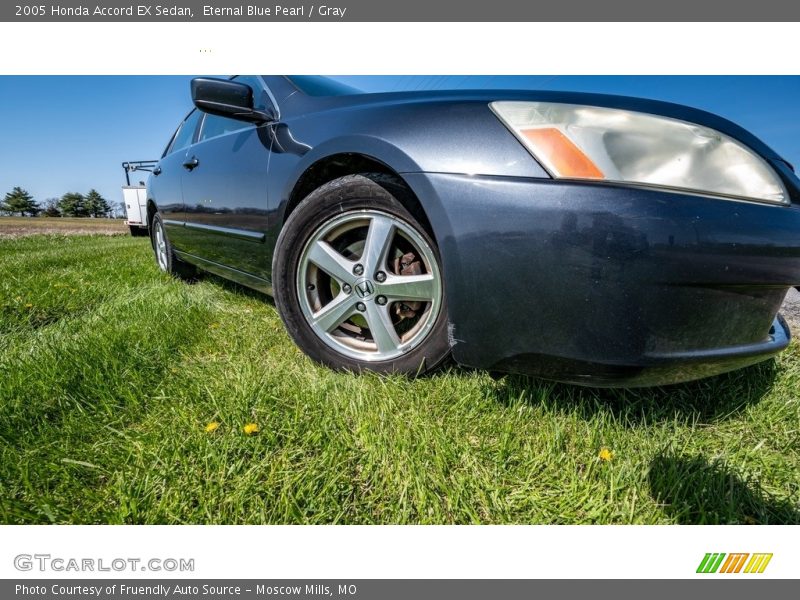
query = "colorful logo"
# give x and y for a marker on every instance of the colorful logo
(719, 562)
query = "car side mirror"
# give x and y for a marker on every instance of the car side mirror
(227, 98)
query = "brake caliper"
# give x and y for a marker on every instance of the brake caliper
(403, 266)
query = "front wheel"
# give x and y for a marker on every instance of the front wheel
(358, 280)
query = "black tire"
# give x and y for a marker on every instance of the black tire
(138, 231)
(351, 194)
(171, 263)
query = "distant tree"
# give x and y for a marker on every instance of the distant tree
(96, 205)
(51, 208)
(19, 201)
(73, 204)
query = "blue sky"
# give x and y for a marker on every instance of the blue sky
(70, 133)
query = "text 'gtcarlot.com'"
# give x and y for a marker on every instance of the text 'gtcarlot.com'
(47, 562)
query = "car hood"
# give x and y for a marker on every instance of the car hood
(299, 103)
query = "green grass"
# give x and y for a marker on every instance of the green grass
(110, 371)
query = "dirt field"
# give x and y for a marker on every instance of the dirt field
(14, 227)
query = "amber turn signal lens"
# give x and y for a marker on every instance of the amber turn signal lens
(565, 157)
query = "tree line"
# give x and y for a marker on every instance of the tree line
(72, 204)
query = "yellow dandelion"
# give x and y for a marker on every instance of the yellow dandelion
(605, 454)
(214, 326)
(250, 428)
(29, 306)
(212, 427)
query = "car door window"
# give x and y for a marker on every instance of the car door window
(185, 135)
(214, 125)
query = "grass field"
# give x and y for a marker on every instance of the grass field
(110, 373)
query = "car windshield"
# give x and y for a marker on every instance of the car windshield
(316, 85)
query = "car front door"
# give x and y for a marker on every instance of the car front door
(225, 190)
(166, 180)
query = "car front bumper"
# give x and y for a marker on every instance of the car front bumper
(609, 285)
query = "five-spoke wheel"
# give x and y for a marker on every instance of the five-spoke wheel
(369, 285)
(160, 245)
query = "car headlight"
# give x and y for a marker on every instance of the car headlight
(587, 142)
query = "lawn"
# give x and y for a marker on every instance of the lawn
(110, 373)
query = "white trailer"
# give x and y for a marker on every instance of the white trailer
(135, 198)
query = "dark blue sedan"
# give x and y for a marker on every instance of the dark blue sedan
(592, 239)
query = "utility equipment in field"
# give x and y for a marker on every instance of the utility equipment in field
(135, 197)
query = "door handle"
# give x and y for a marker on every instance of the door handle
(191, 164)
(157, 171)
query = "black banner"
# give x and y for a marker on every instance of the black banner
(406, 11)
(395, 589)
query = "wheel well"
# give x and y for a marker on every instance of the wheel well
(339, 165)
(151, 211)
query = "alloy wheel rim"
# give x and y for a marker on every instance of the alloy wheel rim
(161, 247)
(369, 285)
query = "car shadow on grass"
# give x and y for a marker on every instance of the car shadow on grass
(694, 491)
(235, 288)
(706, 400)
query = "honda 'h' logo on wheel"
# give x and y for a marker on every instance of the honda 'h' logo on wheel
(364, 288)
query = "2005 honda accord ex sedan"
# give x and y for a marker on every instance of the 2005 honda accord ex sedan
(592, 239)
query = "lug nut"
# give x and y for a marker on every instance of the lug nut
(381, 300)
(346, 288)
(380, 276)
(358, 269)
(361, 306)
